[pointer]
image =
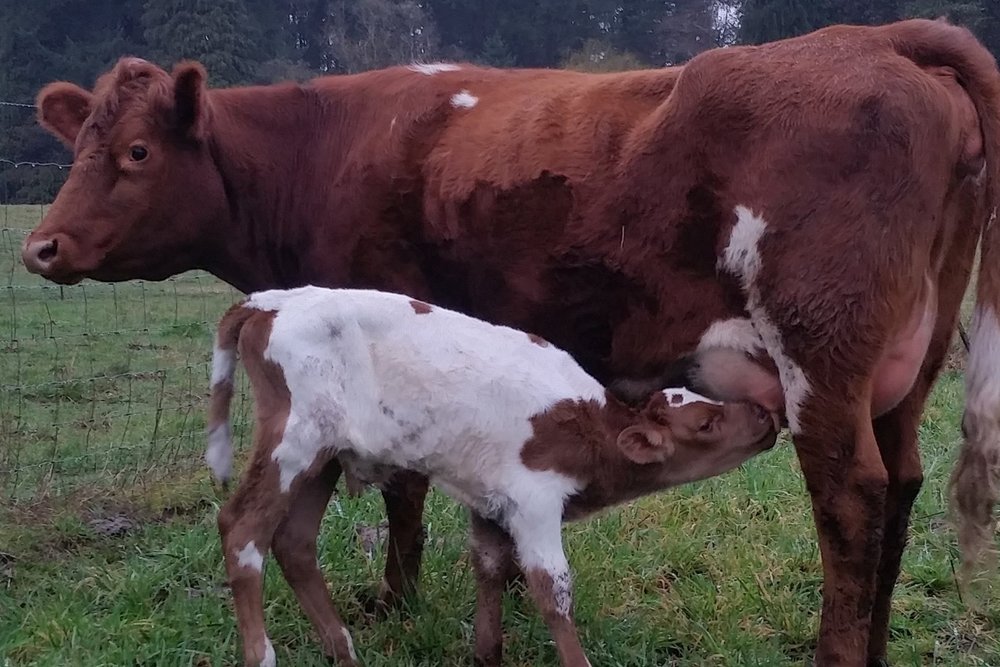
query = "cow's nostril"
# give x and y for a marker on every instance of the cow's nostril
(48, 251)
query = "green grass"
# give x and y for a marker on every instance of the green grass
(95, 424)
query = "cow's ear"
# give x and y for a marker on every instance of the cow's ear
(190, 99)
(62, 109)
(645, 444)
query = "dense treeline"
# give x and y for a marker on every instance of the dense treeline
(258, 41)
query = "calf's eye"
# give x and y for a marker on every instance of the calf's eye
(706, 425)
(138, 153)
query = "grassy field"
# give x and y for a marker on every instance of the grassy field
(109, 553)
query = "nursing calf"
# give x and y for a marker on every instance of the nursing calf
(500, 420)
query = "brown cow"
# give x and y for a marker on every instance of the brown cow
(816, 200)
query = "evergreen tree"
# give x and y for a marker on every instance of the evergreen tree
(214, 32)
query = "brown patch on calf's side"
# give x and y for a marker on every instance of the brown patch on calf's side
(419, 307)
(538, 340)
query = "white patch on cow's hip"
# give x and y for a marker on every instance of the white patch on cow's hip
(680, 396)
(736, 333)
(430, 69)
(223, 364)
(250, 556)
(350, 643)
(219, 453)
(270, 660)
(742, 258)
(464, 100)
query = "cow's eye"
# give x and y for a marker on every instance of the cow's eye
(707, 425)
(138, 153)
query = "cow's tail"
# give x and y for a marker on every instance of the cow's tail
(975, 482)
(219, 454)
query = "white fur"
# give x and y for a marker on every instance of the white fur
(250, 556)
(464, 100)
(736, 333)
(430, 69)
(219, 454)
(350, 643)
(742, 258)
(371, 377)
(223, 364)
(270, 660)
(982, 374)
(681, 396)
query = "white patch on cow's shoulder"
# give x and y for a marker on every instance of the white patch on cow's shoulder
(350, 643)
(736, 333)
(270, 660)
(223, 364)
(464, 100)
(680, 396)
(219, 453)
(742, 258)
(251, 557)
(430, 69)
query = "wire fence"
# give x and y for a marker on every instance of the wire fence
(102, 385)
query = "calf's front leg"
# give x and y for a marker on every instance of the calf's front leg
(538, 538)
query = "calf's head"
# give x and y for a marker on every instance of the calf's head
(143, 192)
(694, 437)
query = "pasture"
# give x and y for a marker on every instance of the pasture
(109, 553)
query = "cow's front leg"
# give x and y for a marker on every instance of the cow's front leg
(847, 484)
(404, 496)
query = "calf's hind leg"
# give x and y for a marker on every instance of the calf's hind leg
(295, 550)
(404, 498)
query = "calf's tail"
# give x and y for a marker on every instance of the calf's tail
(219, 454)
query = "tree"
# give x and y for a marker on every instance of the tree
(365, 34)
(214, 32)
(598, 55)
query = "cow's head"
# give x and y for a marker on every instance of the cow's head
(143, 197)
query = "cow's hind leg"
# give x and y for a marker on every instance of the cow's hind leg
(493, 561)
(404, 498)
(295, 550)
(896, 433)
(847, 483)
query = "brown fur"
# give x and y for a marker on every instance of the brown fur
(592, 209)
(538, 340)
(419, 307)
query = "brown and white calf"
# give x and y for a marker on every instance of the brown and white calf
(500, 420)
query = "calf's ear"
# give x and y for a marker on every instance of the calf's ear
(645, 444)
(62, 109)
(190, 99)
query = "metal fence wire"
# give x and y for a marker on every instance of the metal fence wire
(102, 385)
